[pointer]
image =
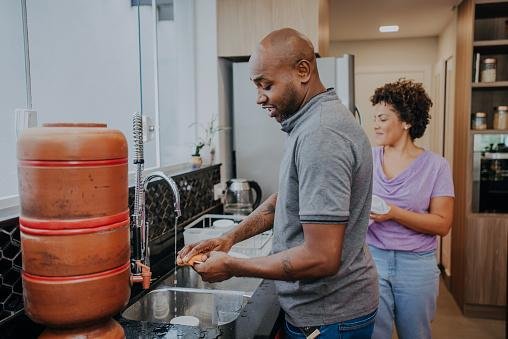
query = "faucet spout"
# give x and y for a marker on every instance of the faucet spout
(172, 184)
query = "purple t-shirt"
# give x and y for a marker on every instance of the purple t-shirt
(426, 177)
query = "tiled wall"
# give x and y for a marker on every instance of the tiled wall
(11, 299)
(196, 194)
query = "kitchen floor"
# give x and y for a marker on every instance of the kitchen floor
(450, 323)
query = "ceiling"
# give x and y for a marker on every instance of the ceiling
(360, 19)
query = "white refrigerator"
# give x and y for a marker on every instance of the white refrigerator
(258, 141)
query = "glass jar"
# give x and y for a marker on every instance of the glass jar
(479, 121)
(488, 70)
(501, 117)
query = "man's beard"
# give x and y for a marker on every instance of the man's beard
(290, 105)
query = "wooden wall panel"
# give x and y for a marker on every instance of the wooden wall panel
(465, 15)
(324, 28)
(486, 278)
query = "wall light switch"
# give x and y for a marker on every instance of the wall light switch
(148, 129)
(218, 191)
(25, 118)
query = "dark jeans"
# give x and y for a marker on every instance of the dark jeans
(359, 328)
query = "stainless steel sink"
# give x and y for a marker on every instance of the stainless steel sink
(212, 309)
(188, 278)
(216, 305)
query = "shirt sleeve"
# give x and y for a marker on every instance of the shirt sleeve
(443, 186)
(325, 162)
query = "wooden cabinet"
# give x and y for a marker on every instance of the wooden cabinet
(241, 24)
(479, 242)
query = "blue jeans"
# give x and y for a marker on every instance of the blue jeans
(358, 328)
(408, 289)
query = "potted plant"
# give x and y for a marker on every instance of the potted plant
(196, 160)
(206, 139)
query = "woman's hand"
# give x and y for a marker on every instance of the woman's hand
(383, 217)
(436, 222)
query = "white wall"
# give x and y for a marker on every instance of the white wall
(85, 68)
(388, 52)
(12, 91)
(84, 62)
(446, 52)
(207, 65)
(177, 84)
(380, 61)
(188, 78)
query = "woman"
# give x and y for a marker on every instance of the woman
(417, 185)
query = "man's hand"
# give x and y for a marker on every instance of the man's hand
(214, 269)
(222, 244)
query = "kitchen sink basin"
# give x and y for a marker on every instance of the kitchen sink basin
(188, 278)
(212, 309)
(216, 305)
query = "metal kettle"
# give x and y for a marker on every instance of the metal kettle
(239, 198)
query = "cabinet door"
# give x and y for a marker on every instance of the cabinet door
(486, 261)
(241, 24)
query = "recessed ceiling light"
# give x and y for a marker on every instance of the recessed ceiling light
(388, 29)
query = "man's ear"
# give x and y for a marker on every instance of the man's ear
(303, 70)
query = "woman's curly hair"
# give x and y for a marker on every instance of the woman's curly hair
(411, 102)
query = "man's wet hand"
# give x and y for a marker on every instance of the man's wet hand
(215, 268)
(222, 244)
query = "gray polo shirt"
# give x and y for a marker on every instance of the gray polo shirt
(325, 177)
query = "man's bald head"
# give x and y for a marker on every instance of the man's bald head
(284, 70)
(286, 47)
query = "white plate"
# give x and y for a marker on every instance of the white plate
(186, 320)
(223, 223)
(379, 206)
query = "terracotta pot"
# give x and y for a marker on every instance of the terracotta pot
(71, 142)
(74, 222)
(76, 251)
(107, 330)
(76, 301)
(72, 189)
(72, 171)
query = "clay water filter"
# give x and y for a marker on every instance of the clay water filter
(74, 226)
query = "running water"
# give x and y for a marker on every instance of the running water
(175, 280)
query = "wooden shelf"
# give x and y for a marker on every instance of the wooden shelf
(486, 2)
(489, 215)
(483, 2)
(486, 43)
(478, 239)
(491, 46)
(489, 131)
(496, 84)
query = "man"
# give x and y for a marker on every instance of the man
(325, 276)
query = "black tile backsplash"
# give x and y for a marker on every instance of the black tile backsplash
(196, 195)
(11, 299)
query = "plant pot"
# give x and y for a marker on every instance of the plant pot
(196, 161)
